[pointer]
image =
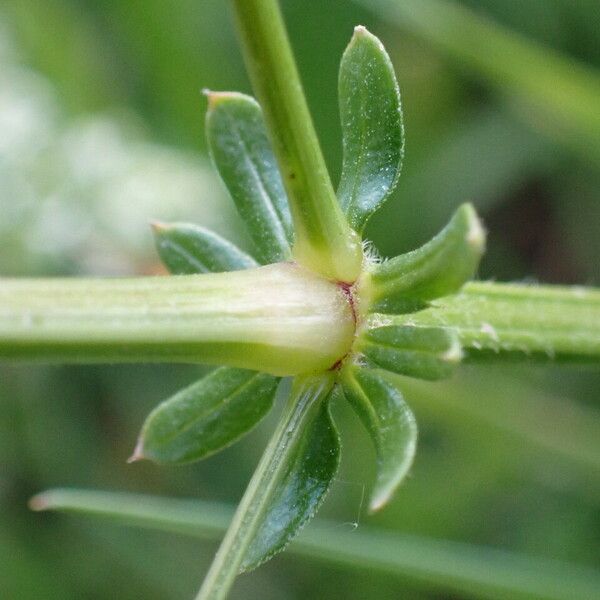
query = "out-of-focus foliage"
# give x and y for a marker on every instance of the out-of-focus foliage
(101, 130)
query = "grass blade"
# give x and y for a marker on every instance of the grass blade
(476, 571)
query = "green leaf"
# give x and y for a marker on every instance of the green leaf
(440, 267)
(241, 151)
(187, 249)
(372, 129)
(390, 423)
(424, 352)
(206, 416)
(469, 570)
(297, 488)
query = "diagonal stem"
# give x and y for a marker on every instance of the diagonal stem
(304, 402)
(324, 241)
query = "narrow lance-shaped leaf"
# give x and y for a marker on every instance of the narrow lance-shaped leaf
(307, 458)
(186, 249)
(440, 267)
(390, 423)
(206, 416)
(241, 151)
(372, 130)
(424, 352)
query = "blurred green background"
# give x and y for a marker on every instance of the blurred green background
(101, 130)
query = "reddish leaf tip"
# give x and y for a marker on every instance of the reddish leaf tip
(215, 98)
(158, 226)
(138, 453)
(39, 502)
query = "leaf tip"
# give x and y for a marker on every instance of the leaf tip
(361, 33)
(138, 453)
(159, 226)
(216, 98)
(476, 234)
(454, 354)
(379, 500)
(40, 502)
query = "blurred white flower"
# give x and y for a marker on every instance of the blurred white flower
(84, 191)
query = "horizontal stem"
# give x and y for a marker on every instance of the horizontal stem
(280, 319)
(496, 320)
(479, 572)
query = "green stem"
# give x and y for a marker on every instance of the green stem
(303, 405)
(475, 571)
(280, 319)
(324, 241)
(497, 320)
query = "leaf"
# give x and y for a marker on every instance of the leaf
(206, 417)
(311, 447)
(390, 423)
(424, 352)
(372, 129)
(469, 570)
(187, 249)
(241, 151)
(440, 267)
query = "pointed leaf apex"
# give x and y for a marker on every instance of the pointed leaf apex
(380, 500)
(159, 226)
(475, 231)
(454, 354)
(138, 453)
(216, 98)
(39, 502)
(361, 33)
